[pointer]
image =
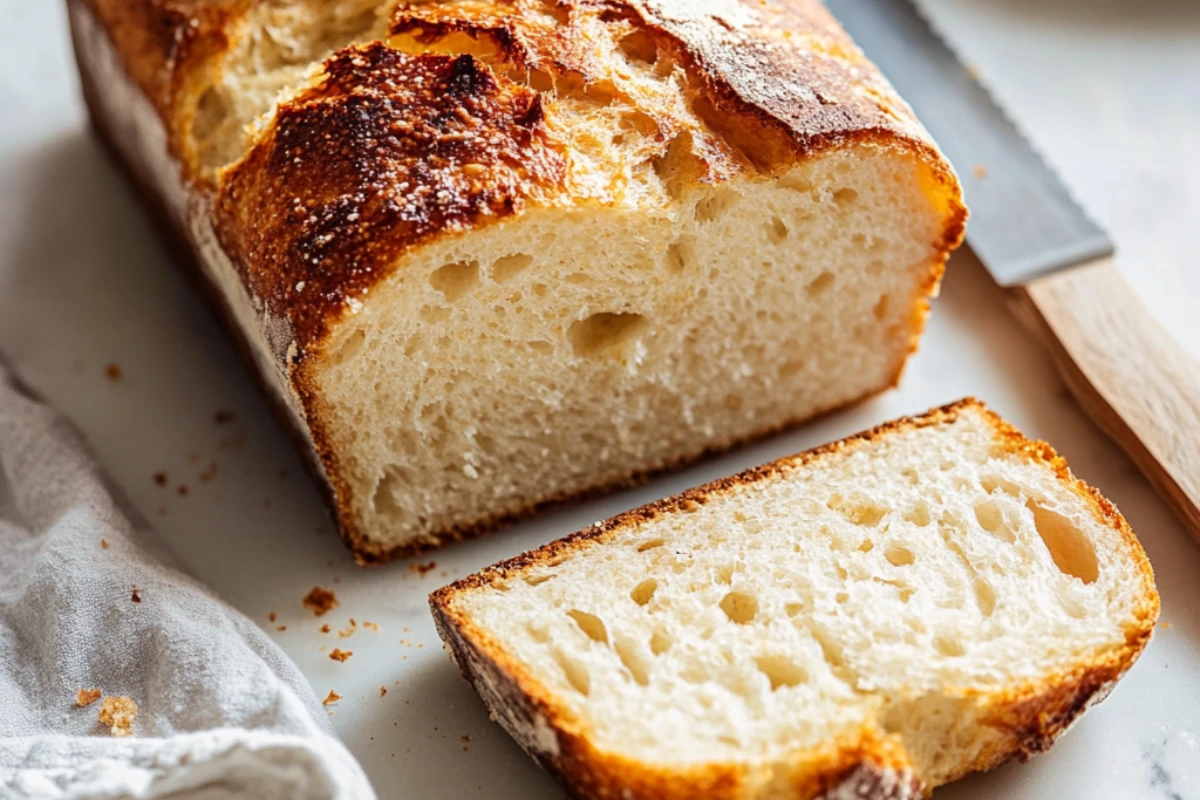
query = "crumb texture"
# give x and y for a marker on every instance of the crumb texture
(118, 713)
(929, 586)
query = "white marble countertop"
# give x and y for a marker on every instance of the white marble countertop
(1110, 91)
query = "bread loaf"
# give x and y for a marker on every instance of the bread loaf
(488, 255)
(870, 619)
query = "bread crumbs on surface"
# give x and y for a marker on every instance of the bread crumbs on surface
(340, 655)
(371, 625)
(135, 594)
(208, 473)
(979, 171)
(224, 417)
(104, 544)
(118, 713)
(160, 478)
(421, 569)
(325, 628)
(1164, 625)
(320, 601)
(281, 628)
(113, 372)
(182, 490)
(331, 698)
(86, 697)
(271, 616)
(382, 691)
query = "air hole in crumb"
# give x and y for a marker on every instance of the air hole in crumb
(841, 597)
(993, 482)
(349, 347)
(985, 597)
(777, 231)
(910, 475)
(819, 284)
(725, 574)
(795, 183)
(867, 546)
(898, 555)
(508, 266)
(949, 646)
(640, 46)
(865, 515)
(535, 580)
(845, 196)
(740, 607)
(881, 308)
(991, 519)
(680, 254)
(538, 634)
(781, 671)
(650, 545)
(1073, 554)
(660, 642)
(384, 501)
(604, 332)
(715, 204)
(792, 609)
(918, 514)
(642, 593)
(590, 624)
(575, 672)
(632, 659)
(455, 280)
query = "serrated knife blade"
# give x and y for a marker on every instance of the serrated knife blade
(1127, 373)
(1024, 221)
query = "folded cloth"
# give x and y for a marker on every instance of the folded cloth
(90, 599)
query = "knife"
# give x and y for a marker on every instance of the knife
(1125, 370)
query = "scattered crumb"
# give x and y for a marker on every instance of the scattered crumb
(271, 616)
(979, 171)
(223, 417)
(331, 698)
(353, 624)
(466, 737)
(1164, 624)
(405, 629)
(182, 489)
(209, 472)
(340, 655)
(160, 478)
(282, 628)
(113, 372)
(86, 697)
(118, 713)
(371, 625)
(420, 645)
(104, 544)
(136, 595)
(421, 569)
(382, 691)
(345, 633)
(320, 601)
(325, 628)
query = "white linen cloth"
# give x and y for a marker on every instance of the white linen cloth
(222, 712)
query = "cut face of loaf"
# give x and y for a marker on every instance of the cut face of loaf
(491, 255)
(870, 619)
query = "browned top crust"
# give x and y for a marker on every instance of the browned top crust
(407, 147)
(369, 160)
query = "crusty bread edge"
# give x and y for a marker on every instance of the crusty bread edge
(1030, 716)
(315, 443)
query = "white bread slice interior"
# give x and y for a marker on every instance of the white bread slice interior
(876, 617)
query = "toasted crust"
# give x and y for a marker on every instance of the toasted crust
(1030, 716)
(358, 168)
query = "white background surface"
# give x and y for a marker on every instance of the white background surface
(1110, 91)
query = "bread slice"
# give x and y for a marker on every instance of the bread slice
(490, 255)
(869, 619)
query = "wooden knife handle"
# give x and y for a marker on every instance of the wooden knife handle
(1127, 373)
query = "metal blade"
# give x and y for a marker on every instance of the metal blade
(1024, 222)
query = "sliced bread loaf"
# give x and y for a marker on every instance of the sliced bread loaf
(869, 619)
(488, 255)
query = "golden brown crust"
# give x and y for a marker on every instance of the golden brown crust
(314, 216)
(1030, 716)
